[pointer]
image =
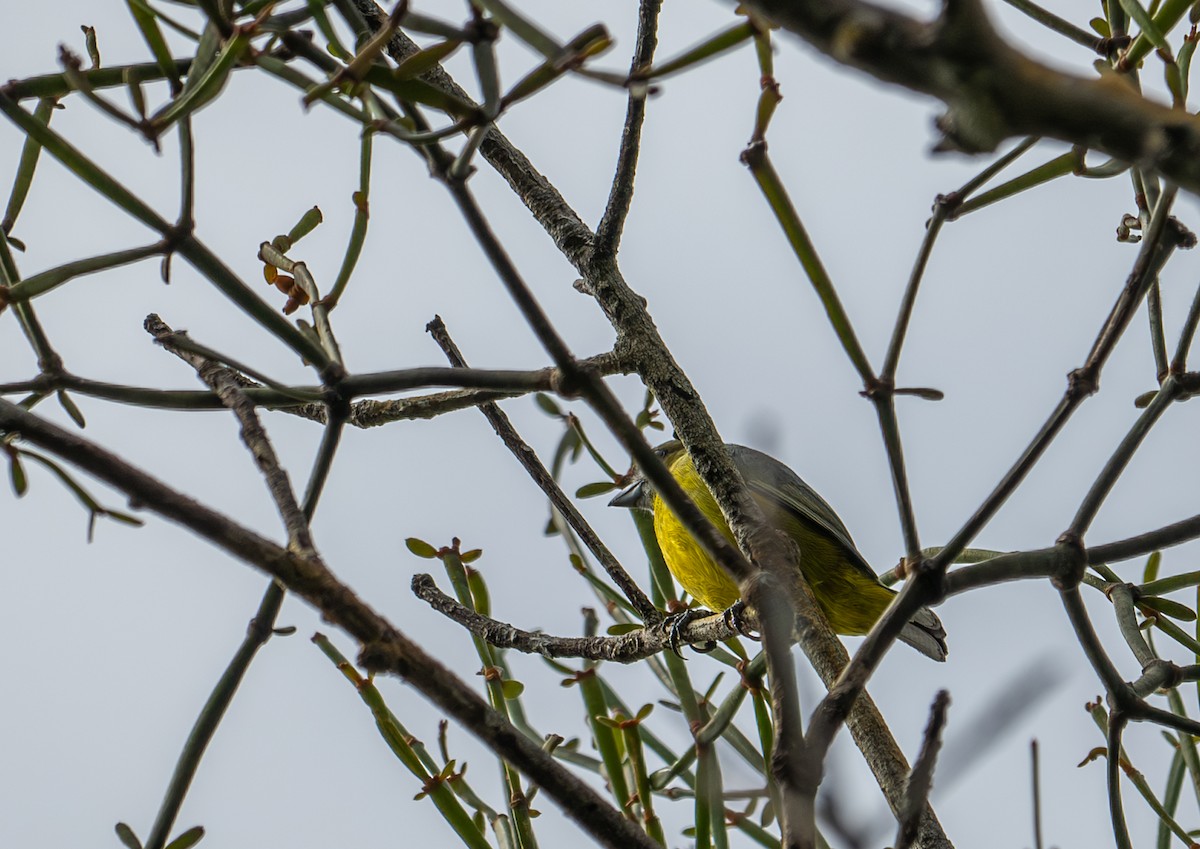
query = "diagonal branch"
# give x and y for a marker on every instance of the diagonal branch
(620, 196)
(385, 648)
(992, 90)
(528, 458)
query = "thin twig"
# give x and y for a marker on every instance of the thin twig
(528, 458)
(620, 195)
(920, 782)
(625, 648)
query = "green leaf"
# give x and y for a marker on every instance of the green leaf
(512, 689)
(1168, 607)
(147, 23)
(20, 483)
(307, 223)
(1100, 27)
(547, 404)
(425, 60)
(72, 410)
(124, 518)
(421, 548)
(623, 628)
(479, 593)
(188, 839)
(471, 556)
(1152, 564)
(125, 835)
(644, 712)
(591, 490)
(1149, 28)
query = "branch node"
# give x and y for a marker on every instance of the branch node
(1074, 564)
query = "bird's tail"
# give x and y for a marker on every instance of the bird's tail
(924, 632)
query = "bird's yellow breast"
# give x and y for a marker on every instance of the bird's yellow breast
(850, 598)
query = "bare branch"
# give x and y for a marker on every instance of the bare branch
(991, 90)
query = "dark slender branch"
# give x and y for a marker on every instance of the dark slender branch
(933, 229)
(224, 382)
(1162, 237)
(385, 649)
(884, 402)
(528, 458)
(567, 229)
(944, 209)
(1159, 674)
(1149, 713)
(1018, 565)
(1121, 596)
(920, 782)
(601, 399)
(1036, 783)
(1158, 343)
(56, 85)
(1076, 34)
(1107, 479)
(620, 195)
(1176, 533)
(1186, 334)
(1117, 689)
(1116, 725)
(260, 630)
(221, 380)
(497, 382)
(991, 90)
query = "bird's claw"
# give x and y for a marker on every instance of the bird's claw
(674, 625)
(734, 617)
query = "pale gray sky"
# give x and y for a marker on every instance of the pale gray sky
(112, 647)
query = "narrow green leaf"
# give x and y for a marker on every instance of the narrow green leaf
(1168, 607)
(20, 483)
(719, 43)
(307, 223)
(147, 24)
(1152, 564)
(71, 409)
(591, 490)
(125, 835)
(622, 628)
(188, 839)
(547, 405)
(1142, 18)
(421, 548)
(425, 60)
(123, 518)
(480, 597)
(26, 166)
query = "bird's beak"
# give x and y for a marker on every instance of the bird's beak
(630, 496)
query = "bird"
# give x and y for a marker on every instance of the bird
(846, 588)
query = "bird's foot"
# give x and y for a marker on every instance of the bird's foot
(734, 617)
(674, 625)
